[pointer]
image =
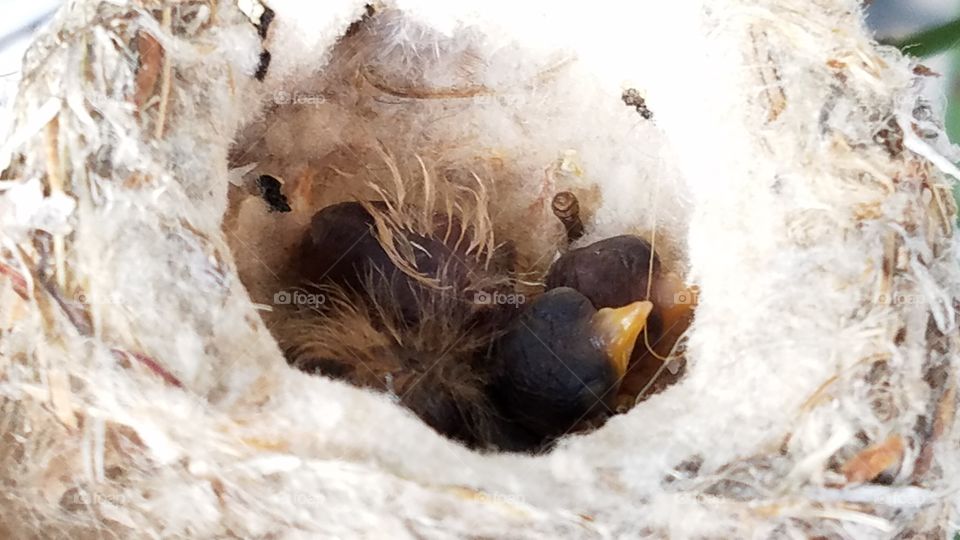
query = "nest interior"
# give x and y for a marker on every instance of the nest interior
(143, 391)
(510, 127)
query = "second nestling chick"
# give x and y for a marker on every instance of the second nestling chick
(560, 363)
(618, 271)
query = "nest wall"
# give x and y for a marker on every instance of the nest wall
(788, 172)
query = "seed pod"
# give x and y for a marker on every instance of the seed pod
(567, 209)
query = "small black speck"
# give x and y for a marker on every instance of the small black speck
(264, 64)
(369, 11)
(271, 193)
(265, 21)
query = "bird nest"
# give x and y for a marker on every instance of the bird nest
(773, 154)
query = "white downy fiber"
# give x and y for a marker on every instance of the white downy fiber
(790, 172)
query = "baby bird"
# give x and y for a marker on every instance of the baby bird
(617, 271)
(560, 363)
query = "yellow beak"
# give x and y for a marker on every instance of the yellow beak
(616, 331)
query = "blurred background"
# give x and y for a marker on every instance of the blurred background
(19, 21)
(929, 29)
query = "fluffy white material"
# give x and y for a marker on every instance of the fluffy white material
(142, 393)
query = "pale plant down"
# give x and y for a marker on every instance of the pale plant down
(783, 172)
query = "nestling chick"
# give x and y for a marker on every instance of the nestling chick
(562, 360)
(618, 271)
(402, 281)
